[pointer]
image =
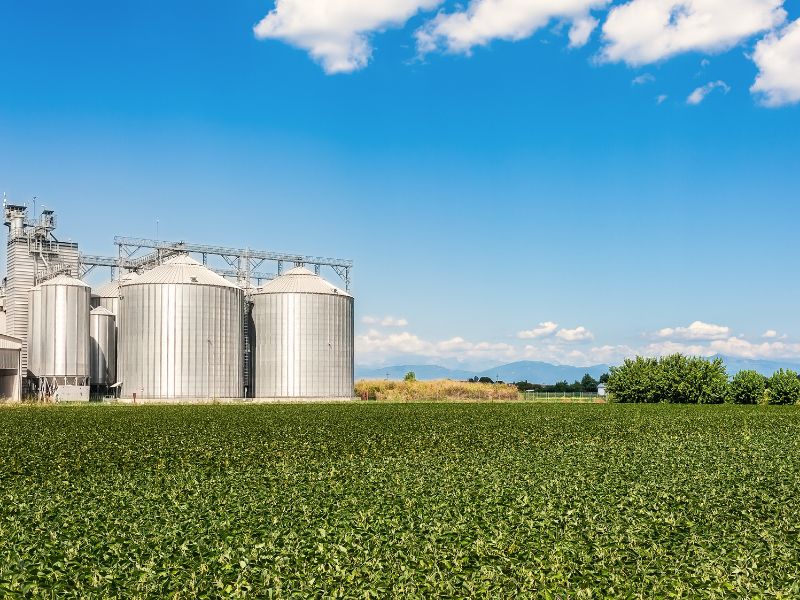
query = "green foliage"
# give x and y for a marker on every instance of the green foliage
(399, 501)
(636, 380)
(410, 376)
(677, 379)
(748, 387)
(783, 387)
(588, 383)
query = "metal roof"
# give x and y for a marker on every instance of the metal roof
(10, 343)
(101, 310)
(300, 281)
(110, 289)
(181, 269)
(64, 280)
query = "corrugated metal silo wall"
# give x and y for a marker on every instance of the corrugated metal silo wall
(65, 326)
(103, 336)
(303, 345)
(164, 341)
(35, 335)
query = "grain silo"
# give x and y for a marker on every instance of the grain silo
(302, 338)
(63, 350)
(188, 333)
(103, 348)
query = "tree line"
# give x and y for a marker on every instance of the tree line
(681, 379)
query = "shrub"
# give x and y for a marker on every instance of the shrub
(410, 376)
(676, 379)
(634, 381)
(783, 387)
(748, 387)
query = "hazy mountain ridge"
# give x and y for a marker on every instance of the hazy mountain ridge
(546, 373)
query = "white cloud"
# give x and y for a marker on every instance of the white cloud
(646, 31)
(336, 33)
(581, 30)
(661, 98)
(378, 347)
(543, 330)
(384, 321)
(777, 57)
(579, 334)
(699, 94)
(486, 20)
(643, 79)
(771, 334)
(695, 331)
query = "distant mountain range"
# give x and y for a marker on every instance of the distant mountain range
(526, 370)
(545, 373)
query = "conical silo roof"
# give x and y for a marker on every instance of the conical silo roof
(181, 269)
(102, 311)
(300, 281)
(64, 280)
(110, 289)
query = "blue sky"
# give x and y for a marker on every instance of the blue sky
(485, 179)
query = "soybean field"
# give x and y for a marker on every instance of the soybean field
(400, 500)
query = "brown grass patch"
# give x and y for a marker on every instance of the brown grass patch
(439, 390)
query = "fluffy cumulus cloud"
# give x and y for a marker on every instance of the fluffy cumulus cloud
(645, 31)
(699, 94)
(336, 33)
(543, 330)
(777, 57)
(696, 331)
(579, 334)
(384, 321)
(483, 21)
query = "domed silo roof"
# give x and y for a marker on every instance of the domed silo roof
(180, 269)
(299, 281)
(64, 280)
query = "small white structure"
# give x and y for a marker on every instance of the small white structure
(10, 366)
(601, 389)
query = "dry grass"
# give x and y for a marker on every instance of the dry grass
(439, 390)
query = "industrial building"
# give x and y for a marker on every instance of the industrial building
(176, 321)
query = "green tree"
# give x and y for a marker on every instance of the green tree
(634, 381)
(675, 378)
(410, 376)
(603, 378)
(748, 387)
(588, 383)
(783, 387)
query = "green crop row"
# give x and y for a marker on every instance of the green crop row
(494, 500)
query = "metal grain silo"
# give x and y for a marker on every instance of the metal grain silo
(35, 332)
(302, 338)
(63, 357)
(185, 340)
(103, 347)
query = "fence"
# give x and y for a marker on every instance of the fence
(586, 396)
